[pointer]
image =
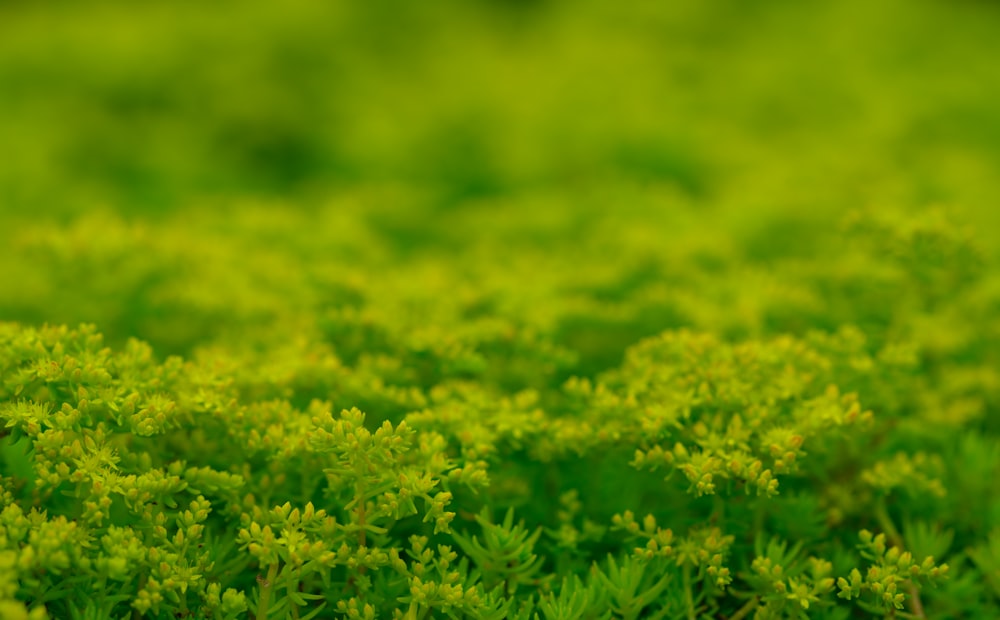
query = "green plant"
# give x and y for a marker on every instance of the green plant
(118, 503)
(530, 310)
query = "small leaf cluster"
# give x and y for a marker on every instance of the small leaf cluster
(891, 570)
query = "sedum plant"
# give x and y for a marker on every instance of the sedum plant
(499, 310)
(700, 478)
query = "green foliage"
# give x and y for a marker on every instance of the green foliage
(529, 310)
(791, 584)
(223, 485)
(986, 557)
(631, 588)
(505, 555)
(890, 570)
(111, 509)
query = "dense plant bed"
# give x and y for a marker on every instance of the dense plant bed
(478, 456)
(495, 309)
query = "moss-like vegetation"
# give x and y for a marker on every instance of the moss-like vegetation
(519, 309)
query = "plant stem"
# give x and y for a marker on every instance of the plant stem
(266, 587)
(294, 585)
(103, 589)
(718, 510)
(136, 614)
(885, 522)
(746, 609)
(362, 515)
(687, 593)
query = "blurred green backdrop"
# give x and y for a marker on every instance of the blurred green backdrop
(585, 172)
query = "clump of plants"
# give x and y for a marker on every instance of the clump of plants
(499, 310)
(820, 473)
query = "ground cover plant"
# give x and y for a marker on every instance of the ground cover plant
(499, 310)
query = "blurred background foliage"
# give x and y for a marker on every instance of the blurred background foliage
(515, 190)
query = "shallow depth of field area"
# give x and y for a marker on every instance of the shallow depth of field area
(500, 309)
